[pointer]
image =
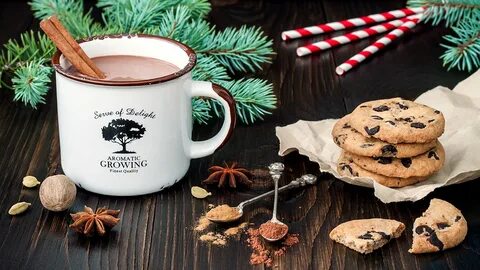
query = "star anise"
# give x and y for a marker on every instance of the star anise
(232, 174)
(89, 222)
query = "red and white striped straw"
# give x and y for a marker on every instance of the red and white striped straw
(352, 36)
(350, 23)
(375, 47)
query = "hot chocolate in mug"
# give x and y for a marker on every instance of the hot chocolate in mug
(133, 137)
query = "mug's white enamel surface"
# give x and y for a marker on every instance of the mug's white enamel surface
(131, 140)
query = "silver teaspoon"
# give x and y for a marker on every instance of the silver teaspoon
(278, 229)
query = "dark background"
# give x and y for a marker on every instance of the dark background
(155, 231)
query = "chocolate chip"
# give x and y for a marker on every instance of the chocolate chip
(335, 139)
(457, 218)
(384, 235)
(437, 112)
(417, 125)
(366, 145)
(402, 106)
(431, 120)
(381, 108)
(423, 229)
(406, 119)
(363, 106)
(390, 122)
(376, 117)
(430, 233)
(442, 225)
(433, 154)
(389, 150)
(383, 160)
(366, 236)
(348, 167)
(372, 131)
(346, 125)
(406, 162)
(435, 241)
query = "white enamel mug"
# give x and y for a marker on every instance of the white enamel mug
(133, 137)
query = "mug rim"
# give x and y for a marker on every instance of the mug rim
(192, 60)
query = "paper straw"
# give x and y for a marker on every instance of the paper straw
(375, 47)
(352, 36)
(350, 23)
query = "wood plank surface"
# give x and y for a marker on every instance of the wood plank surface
(155, 231)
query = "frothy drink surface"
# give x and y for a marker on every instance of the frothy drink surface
(130, 67)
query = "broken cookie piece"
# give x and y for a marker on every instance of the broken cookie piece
(366, 235)
(440, 227)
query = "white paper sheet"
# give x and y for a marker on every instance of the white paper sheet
(461, 140)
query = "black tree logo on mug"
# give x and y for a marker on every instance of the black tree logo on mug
(122, 132)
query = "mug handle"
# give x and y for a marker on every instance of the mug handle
(207, 89)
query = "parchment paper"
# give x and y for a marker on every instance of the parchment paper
(461, 140)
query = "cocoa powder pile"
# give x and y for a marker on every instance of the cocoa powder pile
(264, 252)
(272, 230)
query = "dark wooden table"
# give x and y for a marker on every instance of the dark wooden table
(156, 230)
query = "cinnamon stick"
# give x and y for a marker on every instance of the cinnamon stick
(70, 48)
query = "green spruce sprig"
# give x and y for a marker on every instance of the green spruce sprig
(463, 50)
(31, 82)
(70, 12)
(239, 49)
(250, 105)
(449, 11)
(219, 52)
(23, 63)
(463, 17)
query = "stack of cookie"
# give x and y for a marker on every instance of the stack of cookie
(393, 141)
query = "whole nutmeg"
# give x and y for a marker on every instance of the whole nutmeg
(57, 193)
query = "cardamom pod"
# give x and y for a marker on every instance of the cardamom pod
(18, 208)
(199, 192)
(30, 181)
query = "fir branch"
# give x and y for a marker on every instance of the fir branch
(201, 110)
(209, 69)
(31, 47)
(174, 22)
(70, 13)
(195, 34)
(463, 52)
(135, 16)
(31, 83)
(198, 8)
(450, 11)
(177, 23)
(239, 50)
(219, 52)
(254, 99)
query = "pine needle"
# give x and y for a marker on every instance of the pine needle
(239, 50)
(463, 52)
(219, 52)
(254, 99)
(209, 69)
(70, 13)
(450, 11)
(31, 82)
(201, 111)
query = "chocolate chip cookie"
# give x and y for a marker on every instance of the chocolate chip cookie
(440, 227)
(398, 120)
(352, 141)
(366, 235)
(421, 165)
(346, 167)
